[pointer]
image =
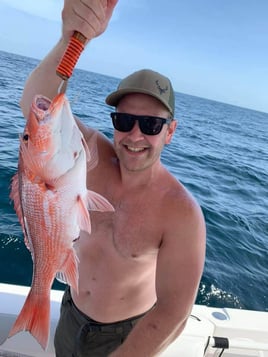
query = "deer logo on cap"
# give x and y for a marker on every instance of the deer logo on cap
(161, 90)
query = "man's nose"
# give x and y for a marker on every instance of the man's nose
(135, 133)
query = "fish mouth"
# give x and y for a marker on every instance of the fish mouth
(42, 103)
(44, 108)
(41, 107)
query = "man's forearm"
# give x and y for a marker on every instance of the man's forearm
(151, 336)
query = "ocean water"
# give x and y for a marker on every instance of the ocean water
(219, 152)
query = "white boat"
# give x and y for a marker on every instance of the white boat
(210, 332)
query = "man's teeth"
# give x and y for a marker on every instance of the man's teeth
(134, 149)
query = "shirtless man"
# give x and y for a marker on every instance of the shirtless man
(141, 265)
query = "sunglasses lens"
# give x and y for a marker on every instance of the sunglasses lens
(151, 126)
(122, 122)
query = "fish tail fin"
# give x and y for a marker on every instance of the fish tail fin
(35, 318)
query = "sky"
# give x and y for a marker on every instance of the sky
(214, 49)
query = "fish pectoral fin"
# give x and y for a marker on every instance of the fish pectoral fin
(97, 202)
(94, 202)
(69, 272)
(91, 150)
(83, 217)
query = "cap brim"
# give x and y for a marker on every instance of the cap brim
(114, 98)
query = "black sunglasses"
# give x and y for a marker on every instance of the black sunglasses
(149, 125)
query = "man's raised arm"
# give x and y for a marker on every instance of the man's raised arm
(89, 17)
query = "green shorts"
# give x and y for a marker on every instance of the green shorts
(78, 335)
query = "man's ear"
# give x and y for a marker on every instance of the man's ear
(170, 131)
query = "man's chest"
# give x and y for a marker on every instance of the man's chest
(132, 230)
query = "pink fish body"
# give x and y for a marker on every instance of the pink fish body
(52, 201)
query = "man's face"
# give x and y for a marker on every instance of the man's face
(137, 151)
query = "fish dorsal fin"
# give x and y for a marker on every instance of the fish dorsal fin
(15, 195)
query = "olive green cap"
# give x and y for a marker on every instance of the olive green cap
(148, 82)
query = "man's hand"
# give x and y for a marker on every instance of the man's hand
(90, 17)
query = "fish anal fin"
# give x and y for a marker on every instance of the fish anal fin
(61, 277)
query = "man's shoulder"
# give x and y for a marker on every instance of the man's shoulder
(177, 193)
(180, 203)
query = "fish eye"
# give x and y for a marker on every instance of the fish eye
(26, 137)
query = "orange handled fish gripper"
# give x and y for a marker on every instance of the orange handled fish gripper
(71, 55)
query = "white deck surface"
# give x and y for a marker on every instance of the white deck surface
(247, 331)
